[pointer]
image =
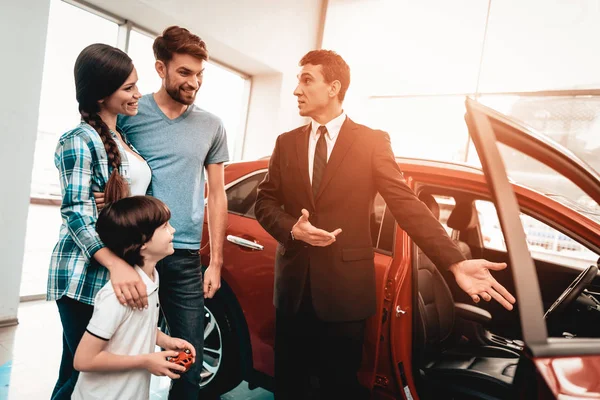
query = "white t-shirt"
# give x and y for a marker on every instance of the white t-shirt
(140, 175)
(128, 332)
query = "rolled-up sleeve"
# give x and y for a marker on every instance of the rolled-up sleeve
(73, 159)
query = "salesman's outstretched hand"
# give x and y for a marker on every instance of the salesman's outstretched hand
(474, 277)
(308, 233)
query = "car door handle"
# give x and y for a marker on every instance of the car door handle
(244, 242)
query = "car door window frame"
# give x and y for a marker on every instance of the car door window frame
(484, 124)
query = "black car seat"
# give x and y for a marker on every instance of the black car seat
(449, 370)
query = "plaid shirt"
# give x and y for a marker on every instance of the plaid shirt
(83, 166)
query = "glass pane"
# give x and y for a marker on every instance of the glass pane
(57, 114)
(446, 204)
(422, 127)
(250, 213)
(403, 46)
(544, 242)
(540, 45)
(528, 171)
(224, 94)
(572, 121)
(58, 107)
(376, 218)
(140, 51)
(242, 196)
(43, 226)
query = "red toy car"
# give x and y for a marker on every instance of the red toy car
(184, 358)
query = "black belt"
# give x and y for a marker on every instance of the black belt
(186, 253)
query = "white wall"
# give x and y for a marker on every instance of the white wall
(24, 24)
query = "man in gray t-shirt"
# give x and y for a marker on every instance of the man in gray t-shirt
(178, 150)
(180, 141)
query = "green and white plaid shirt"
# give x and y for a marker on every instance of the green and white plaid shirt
(83, 166)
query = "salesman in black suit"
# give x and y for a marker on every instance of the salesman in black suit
(316, 201)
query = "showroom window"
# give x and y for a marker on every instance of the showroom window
(414, 66)
(58, 106)
(142, 55)
(57, 114)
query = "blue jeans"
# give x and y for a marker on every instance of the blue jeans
(74, 317)
(182, 300)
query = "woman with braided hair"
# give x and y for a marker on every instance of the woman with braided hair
(94, 156)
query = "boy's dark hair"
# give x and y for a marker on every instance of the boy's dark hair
(178, 40)
(125, 225)
(333, 65)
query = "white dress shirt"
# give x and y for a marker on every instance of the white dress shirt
(333, 130)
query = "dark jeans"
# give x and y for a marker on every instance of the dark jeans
(74, 317)
(182, 301)
(316, 359)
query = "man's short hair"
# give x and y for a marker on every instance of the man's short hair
(178, 40)
(333, 65)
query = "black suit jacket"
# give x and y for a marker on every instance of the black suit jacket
(342, 275)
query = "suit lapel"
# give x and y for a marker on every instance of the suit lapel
(343, 143)
(302, 153)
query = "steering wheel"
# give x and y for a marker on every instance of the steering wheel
(572, 292)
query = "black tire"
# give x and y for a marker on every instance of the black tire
(218, 320)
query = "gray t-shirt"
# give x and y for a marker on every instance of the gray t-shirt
(177, 151)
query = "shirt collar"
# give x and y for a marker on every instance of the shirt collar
(151, 286)
(333, 126)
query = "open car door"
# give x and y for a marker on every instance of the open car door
(549, 367)
(557, 367)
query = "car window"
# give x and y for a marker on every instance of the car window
(242, 196)
(446, 204)
(544, 242)
(383, 226)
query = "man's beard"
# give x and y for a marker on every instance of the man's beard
(176, 94)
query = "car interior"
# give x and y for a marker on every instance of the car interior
(463, 350)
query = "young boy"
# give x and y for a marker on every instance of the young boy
(116, 354)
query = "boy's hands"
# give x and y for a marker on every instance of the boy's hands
(180, 345)
(157, 364)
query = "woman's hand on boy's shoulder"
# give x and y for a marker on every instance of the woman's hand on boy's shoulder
(128, 286)
(157, 364)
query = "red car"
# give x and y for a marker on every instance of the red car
(428, 340)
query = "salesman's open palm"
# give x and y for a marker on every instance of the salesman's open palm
(308, 233)
(474, 277)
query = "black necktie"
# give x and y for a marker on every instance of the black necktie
(320, 160)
